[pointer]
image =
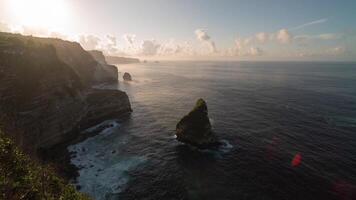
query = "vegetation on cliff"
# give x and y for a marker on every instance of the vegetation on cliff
(23, 178)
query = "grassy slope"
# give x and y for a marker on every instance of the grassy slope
(22, 178)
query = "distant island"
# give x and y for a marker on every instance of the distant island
(120, 60)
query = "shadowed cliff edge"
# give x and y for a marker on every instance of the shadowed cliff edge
(46, 94)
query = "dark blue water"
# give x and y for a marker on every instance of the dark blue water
(268, 113)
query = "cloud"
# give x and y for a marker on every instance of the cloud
(89, 42)
(149, 47)
(59, 35)
(203, 36)
(284, 36)
(129, 38)
(262, 37)
(35, 31)
(109, 46)
(335, 51)
(111, 39)
(310, 24)
(329, 52)
(212, 47)
(243, 48)
(254, 51)
(4, 27)
(324, 36)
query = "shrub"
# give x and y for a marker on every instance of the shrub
(23, 178)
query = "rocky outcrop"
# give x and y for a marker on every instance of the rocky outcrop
(98, 56)
(104, 72)
(121, 60)
(195, 128)
(127, 77)
(45, 90)
(105, 104)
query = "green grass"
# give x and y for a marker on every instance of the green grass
(23, 178)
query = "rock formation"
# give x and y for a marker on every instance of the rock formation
(104, 72)
(127, 76)
(195, 128)
(46, 93)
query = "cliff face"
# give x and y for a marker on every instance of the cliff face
(104, 72)
(98, 56)
(45, 90)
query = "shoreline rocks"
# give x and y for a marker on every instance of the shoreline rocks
(127, 76)
(195, 128)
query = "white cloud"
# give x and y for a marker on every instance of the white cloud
(89, 42)
(203, 36)
(329, 52)
(35, 31)
(129, 38)
(284, 36)
(4, 27)
(324, 36)
(262, 37)
(337, 50)
(112, 40)
(149, 47)
(243, 48)
(109, 45)
(254, 51)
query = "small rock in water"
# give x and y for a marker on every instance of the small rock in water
(127, 76)
(195, 128)
(113, 151)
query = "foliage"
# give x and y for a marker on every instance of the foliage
(23, 178)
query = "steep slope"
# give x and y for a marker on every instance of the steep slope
(45, 90)
(22, 178)
(105, 72)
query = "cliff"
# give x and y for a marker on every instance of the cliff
(46, 93)
(121, 60)
(108, 73)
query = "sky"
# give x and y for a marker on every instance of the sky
(194, 29)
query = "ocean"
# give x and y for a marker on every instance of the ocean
(288, 128)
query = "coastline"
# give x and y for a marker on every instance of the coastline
(59, 155)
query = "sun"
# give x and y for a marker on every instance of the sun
(47, 14)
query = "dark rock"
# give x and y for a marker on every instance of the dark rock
(113, 151)
(195, 128)
(127, 77)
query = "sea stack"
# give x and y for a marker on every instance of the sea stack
(195, 128)
(127, 77)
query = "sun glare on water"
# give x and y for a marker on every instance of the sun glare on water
(46, 14)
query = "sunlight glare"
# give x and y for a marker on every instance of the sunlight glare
(49, 14)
